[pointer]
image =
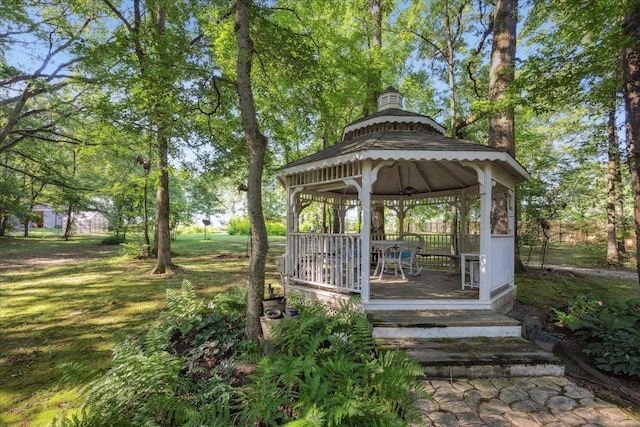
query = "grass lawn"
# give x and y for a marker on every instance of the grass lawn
(548, 289)
(64, 301)
(585, 254)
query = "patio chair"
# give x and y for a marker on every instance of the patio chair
(409, 258)
(387, 258)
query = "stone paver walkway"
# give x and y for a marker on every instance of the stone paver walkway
(521, 402)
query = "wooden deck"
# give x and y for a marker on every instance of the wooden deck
(428, 285)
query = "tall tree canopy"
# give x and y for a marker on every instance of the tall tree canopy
(231, 90)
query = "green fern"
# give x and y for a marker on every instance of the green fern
(184, 307)
(327, 372)
(76, 375)
(233, 302)
(328, 366)
(135, 378)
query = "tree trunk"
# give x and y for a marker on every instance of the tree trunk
(4, 224)
(69, 227)
(621, 227)
(631, 94)
(145, 209)
(257, 144)
(374, 83)
(612, 168)
(501, 75)
(336, 220)
(26, 222)
(71, 200)
(163, 233)
(161, 115)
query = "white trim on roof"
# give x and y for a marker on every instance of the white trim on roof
(395, 119)
(411, 155)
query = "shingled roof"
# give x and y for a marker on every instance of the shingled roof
(396, 134)
(427, 142)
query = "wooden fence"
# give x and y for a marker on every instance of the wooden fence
(569, 232)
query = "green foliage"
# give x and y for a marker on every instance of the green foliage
(276, 229)
(112, 239)
(612, 329)
(241, 226)
(134, 249)
(327, 371)
(184, 309)
(180, 373)
(238, 226)
(139, 379)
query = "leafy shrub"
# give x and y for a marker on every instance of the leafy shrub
(184, 371)
(241, 226)
(612, 330)
(276, 229)
(134, 249)
(164, 378)
(113, 239)
(326, 371)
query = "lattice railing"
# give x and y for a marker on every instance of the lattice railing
(327, 260)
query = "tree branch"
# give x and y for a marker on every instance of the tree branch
(134, 29)
(429, 42)
(469, 121)
(485, 35)
(46, 181)
(31, 93)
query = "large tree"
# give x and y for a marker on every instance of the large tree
(148, 61)
(257, 144)
(631, 94)
(574, 63)
(46, 36)
(502, 74)
(449, 38)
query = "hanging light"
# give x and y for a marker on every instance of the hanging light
(408, 190)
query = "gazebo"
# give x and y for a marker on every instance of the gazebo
(379, 194)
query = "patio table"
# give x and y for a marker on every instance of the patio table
(389, 252)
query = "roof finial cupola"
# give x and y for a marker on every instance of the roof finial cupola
(390, 98)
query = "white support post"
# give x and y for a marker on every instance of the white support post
(464, 212)
(365, 255)
(511, 203)
(485, 181)
(293, 214)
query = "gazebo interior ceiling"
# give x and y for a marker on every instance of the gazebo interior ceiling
(408, 178)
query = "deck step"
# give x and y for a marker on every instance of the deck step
(478, 357)
(434, 324)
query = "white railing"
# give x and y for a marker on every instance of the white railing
(328, 260)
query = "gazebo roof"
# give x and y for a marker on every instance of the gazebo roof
(409, 146)
(421, 155)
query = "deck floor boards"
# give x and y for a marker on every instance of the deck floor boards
(429, 284)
